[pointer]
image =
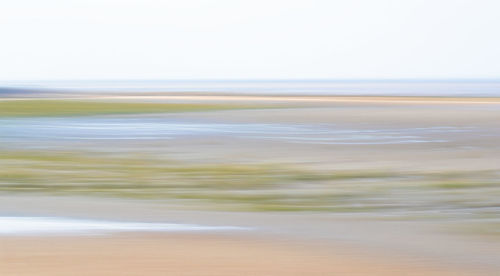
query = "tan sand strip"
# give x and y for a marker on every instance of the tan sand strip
(175, 254)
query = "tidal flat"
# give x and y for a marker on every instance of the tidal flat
(413, 172)
(403, 159)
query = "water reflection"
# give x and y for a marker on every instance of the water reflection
(151, 128)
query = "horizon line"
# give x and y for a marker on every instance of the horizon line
(266, 80)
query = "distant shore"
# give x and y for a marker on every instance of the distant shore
(226, 97)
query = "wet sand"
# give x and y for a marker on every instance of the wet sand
(473, 147)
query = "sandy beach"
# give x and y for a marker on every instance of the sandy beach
(192, 255)
(273, 244)
(412, 191)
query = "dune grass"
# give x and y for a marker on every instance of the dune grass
(249, 187)
(33, 108)
(232, 186)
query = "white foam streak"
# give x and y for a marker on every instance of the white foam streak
(54, 225)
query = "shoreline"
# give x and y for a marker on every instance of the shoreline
(264, 98)
(389, 242)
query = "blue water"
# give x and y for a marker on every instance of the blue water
(306, 87)
(31, 130)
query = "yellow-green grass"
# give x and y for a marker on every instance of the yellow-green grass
(257, 187)
(233, 186)
(33, 108)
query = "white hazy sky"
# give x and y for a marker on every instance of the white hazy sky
(241, 39)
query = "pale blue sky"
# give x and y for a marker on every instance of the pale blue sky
(235, 39)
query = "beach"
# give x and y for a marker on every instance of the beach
(191, 255)
(347, 186)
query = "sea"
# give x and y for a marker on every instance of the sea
(454, 87)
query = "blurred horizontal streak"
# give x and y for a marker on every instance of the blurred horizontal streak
(257, 187)
(28, 108)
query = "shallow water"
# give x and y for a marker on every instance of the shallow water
(55, 225)
(153, 128)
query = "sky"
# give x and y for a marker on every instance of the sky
(249, 39)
